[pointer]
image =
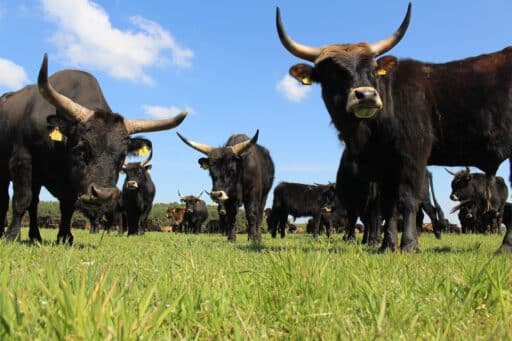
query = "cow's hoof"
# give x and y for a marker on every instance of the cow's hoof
(437, 234)
(387, 248)
(373, 243)
(504, 249)
(409, 247)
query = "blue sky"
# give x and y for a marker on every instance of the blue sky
(222, 60)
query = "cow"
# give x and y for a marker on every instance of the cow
(196, 213)
(62, 134)
(46, 222)
(482, 199)
(242, 171)
(398, 116)
(80, 224)
(176, 215)
(467, 214)
(298, 200)
(152, 225)
(213, 226)
(138, 195)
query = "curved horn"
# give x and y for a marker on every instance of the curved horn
(140, 126)
(61, 102)
(449, 171)
(145, 162)
(203, 148)
(179, 194)
(387, 44)
(200, 194)
(298, 50)
(239, 148)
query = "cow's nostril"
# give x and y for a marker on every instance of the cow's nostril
(359, 94)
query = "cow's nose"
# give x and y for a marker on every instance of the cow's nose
(365, 93)
(132, 184)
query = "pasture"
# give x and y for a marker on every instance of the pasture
(166, 285)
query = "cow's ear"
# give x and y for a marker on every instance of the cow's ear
(148, 168)
(58, 128)
(203, 163)
(139, 147)
(385, 64)
(303, 73)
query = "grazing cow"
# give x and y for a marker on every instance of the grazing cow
(138, 194)
(176, 215)
(298, 200)
(482, 199)
(398, 116)
(47, 222)
(196, 213)
(242, 172)
(51, 136)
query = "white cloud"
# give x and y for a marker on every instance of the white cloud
(163, 112)
(85, 37)
(12, 76)
(291, 89)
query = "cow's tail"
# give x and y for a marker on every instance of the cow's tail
(439, 211)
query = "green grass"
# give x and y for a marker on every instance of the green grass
(164, 285)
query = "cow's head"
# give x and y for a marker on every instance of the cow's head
(348, 73)
(191, 202)
(224, 165)
(95, 143)
(461, 185)
(137, 174)
(329, 199)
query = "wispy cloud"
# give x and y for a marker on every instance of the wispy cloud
(12, 76)
(164, 112)
(291, 89)
(85, 37)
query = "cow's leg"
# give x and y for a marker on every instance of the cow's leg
(274, 221)
(261, 209)
(251, 214)
(67, 206)
(419, 219)
(4, 204)
(408, 207)
(389, 214)
(33, 232)
(231, 211)
(328, 225)
(20, 167)
(506, 245)
(282, 225)
(132, 217)
(144, 220)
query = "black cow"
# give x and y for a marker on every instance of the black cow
(467, 214)
(138, 195)
(298, 200)
(196, 213)
(62, 134)
(213, 226)
(398, 116)
(482, 199)
(242, 172)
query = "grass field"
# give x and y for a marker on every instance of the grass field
(165, 285)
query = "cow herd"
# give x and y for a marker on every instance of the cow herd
(394, 116)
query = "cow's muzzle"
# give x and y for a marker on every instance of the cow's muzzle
(454, 197)
(97, 197)
(132, 184)
(219, 196)
(363, 101)
(326, 209)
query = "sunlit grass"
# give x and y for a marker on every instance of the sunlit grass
(165, 285)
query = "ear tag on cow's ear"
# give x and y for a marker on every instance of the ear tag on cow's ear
(56, 135)
(143, 151)
(381, 72)
(307, 81)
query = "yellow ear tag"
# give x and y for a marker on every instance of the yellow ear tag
(307, 81)
(143, 151)
(381, 72)
(56, 135)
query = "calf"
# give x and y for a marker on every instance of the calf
(196, 213)
(138, 194)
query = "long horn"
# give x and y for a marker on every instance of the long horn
(459, 206)
(200, 194)
(298, 50)
(449, 171)
(387, 44)
(140, 126)
(239, 148)
(200, 147)
(61, 102)
(179, 194)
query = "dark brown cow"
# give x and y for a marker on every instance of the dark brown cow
(398, 116)
(176, 215)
